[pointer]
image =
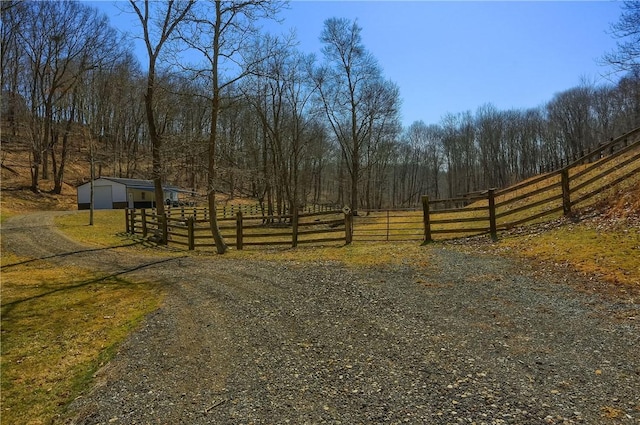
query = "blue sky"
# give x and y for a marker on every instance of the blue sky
(457, 56)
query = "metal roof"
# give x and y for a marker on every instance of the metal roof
(138, 183)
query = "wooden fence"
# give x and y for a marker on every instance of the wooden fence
(388, 225)
(547, 196)
(191, 228)
(230, 211)
(553, 194)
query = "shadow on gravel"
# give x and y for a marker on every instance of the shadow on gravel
(67, 254)
(6, 308)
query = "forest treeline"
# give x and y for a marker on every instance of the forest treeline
(289, 128)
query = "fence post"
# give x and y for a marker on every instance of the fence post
(162, 222)
(425, 219)
(294, 226)
(126, 220)
(566, 192)
(239, 231)
(133, 221)
(144, 222)
(388, 225)
(190, 233)
(493, 229)
(348, 227)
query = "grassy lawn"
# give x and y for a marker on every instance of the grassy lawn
(59, 325)
(613, 254)
(108, 227)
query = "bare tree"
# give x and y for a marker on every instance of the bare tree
(158, 21)
(279, 91)
(627, 31)
(570, 117)
(490, 129)
(221, 31)
(380, 112)
(351, 76)
(12, 66)
(59, 43)
(425, 142)
(458, 142)
(627, 93)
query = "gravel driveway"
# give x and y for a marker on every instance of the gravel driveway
(468, 338)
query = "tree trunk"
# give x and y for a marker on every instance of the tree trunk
(156, 141)
(44, 158)
(355, 176)
(59, 173)
(221, 246)
(35, 170)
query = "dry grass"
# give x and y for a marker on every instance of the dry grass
(358, 254)
(109, 227)
(388, 226)
(613, 254)
(16, 197)
(59, 324)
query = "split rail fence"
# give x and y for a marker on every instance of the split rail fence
(190, 228)
(547, 196)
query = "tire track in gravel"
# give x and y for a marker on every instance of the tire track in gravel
(179, 344)
(36, 237)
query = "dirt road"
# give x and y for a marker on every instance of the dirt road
(467, 339)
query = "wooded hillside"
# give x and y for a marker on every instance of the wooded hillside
(289, 129)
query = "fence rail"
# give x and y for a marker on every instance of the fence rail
(553, 194)
(388, 225)
(191, 228)
(230, 211)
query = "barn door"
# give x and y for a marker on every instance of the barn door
(102, 198)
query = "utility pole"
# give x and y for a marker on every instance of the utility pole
(91, 162)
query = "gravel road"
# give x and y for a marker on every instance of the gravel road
(468, 338)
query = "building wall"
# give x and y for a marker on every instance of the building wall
(120, 195)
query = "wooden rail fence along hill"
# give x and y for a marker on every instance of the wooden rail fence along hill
(544, 197)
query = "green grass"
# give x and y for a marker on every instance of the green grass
(613, 254)
(108, 230)
(108, 227)
(5, 214)
(60, 324)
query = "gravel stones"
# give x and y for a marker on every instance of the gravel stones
(470, 339)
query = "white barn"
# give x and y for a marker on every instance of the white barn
(118, 193)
